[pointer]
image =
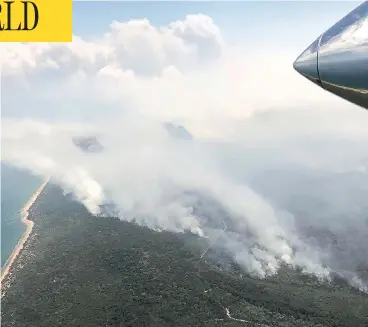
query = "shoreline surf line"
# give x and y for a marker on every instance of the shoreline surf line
(26, 234)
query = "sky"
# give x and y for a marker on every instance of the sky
(285, 23)
(279, 155)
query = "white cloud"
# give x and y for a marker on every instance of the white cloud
(249, 111)
(183, 71)
(134, 45)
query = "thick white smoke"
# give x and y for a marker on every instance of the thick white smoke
(125, 86)
(146, 172)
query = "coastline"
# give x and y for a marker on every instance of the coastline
(29, 224)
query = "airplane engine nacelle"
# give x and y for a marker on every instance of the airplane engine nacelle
(338, 60)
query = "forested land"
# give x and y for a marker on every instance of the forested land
(81, 270)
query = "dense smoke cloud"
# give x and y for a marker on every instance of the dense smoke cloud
(280, 165)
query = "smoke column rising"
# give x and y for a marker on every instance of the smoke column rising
(255, 157)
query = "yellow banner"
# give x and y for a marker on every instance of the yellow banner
(36, 21)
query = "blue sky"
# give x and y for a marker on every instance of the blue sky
(295, 23)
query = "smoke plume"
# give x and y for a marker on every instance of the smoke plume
(189, 141)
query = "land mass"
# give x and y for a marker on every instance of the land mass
(76, 269)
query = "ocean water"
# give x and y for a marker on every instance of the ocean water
(17, 186)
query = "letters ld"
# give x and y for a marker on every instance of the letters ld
(24, 25)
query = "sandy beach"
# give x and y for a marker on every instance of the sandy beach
(29, 224)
